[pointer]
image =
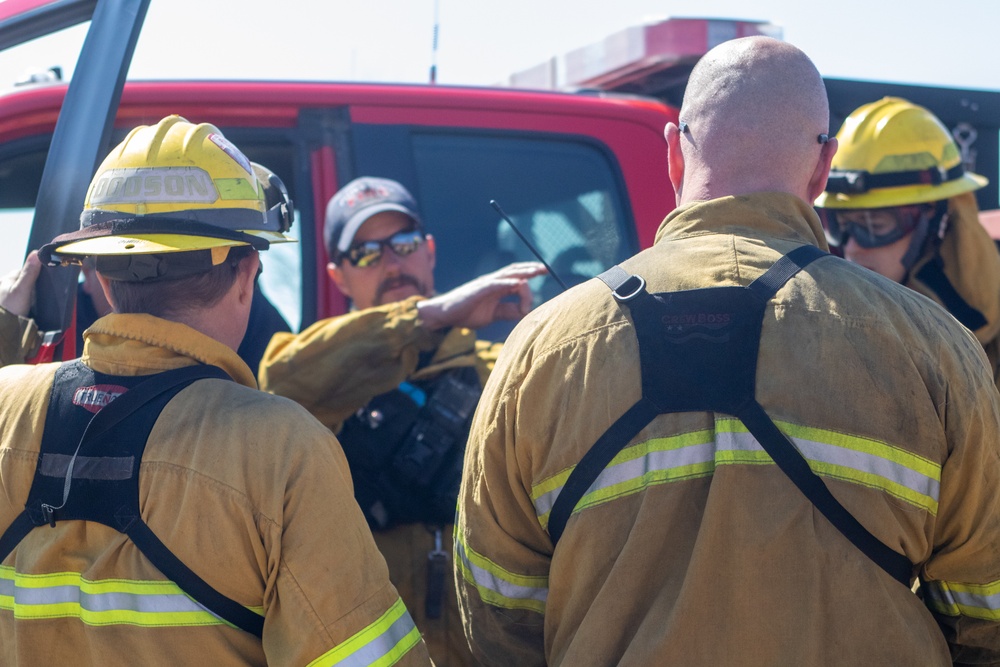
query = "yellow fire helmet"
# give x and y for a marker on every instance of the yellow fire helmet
(176, 187)
(894, 153)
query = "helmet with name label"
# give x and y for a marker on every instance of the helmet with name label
(175, 187)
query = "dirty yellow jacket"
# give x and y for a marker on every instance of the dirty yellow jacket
(338, 365)
(972, 266)
(245, 488)
(695, 549)
(19, 338)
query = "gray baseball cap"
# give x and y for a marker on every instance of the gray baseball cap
(356, 202)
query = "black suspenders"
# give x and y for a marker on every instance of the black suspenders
(95, 477)
(709, 339)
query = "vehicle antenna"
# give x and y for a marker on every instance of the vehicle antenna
(534, 251)
(434, 45)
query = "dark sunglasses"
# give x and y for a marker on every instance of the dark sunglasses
(870, 227)
(368, 253)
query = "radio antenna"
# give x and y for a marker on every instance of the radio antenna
(534, 251)
(434, 45)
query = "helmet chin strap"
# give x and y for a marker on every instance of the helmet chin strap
(930, 232)
(932, 275)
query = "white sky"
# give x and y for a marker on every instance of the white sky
(482, 42)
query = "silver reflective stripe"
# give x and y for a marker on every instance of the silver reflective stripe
(143, 603)
(485, 579)
(87, 467)
(653, 461)
(6, 587)
(840, 456)
(636, 468)
(965, 601)
(381, 645)
(544, 502)
(857, 460)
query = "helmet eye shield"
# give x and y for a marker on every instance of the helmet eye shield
(871, 227)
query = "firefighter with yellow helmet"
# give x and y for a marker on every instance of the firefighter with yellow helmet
(900, 202)
(156, 504)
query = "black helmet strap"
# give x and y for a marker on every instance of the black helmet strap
(927, 235)
(855, 182)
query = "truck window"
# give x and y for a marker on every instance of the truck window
(564, 193)
(20, 173)
(281, 280)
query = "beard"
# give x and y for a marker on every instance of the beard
(397, 282)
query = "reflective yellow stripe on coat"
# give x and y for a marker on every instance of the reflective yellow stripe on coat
(499, 586)
(381, 644)
(855, 459)
(105, 602)
(972, 600)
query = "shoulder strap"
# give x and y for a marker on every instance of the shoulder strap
(151, 394)
(595, 461)
(791, 462)
(128, 403)
(768, 284)
(109, 415)
(201, 591)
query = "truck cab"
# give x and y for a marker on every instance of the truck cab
(584, 177)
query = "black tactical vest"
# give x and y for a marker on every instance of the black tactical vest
(405, 449)
(709, 339)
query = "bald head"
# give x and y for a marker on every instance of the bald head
(754, 108)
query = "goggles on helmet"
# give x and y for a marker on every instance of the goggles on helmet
(870, 227)
(368, 253)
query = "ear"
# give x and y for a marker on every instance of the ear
(431, 249)
(246, 276)
(675, 159)
(106, 288)
(817, 182)
(337, 276)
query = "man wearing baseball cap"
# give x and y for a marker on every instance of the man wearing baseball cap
(397, 380)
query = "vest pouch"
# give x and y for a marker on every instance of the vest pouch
(698, 348)
(371, 437)
(441, 428)
(406, 453)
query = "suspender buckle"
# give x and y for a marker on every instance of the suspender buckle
(624, 285)
(630, 289)
(49, 513)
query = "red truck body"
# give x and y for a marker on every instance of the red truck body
(585, 175)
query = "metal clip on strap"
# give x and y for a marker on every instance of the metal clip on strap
(624, 286)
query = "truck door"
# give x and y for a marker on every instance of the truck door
(81, 136)
(565, 193)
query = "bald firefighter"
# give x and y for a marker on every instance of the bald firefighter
(736, 448)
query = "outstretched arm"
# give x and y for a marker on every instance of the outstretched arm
(482, 301)
(337, 365)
